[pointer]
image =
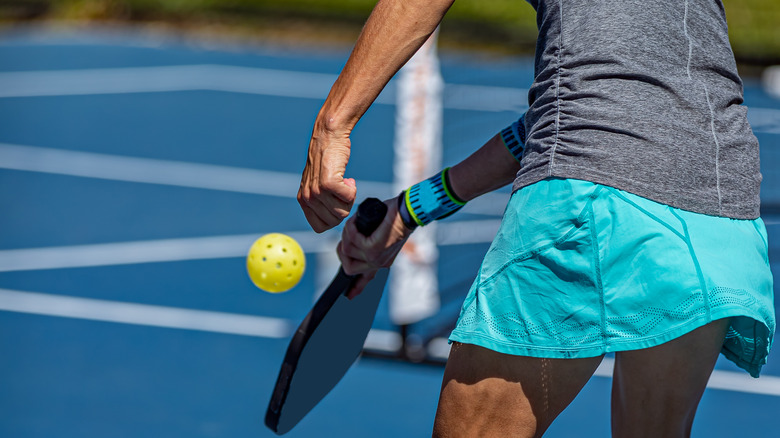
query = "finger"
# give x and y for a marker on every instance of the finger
(331, 173)
(355, 245)
(304, 201)
(347, 262)
(330, 203)
(375, 247)
(353, 266)
(360, 284)
(314, 221)
(344, 258)
(338, 197)
(320, 216)
(337, 208)
(382, 233)
(346, 190)
(349, 232)
(319, 223)
(372, 249)
(353, 259)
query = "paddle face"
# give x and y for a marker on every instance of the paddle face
(329, 339)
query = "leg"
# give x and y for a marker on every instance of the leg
(656, 391)
(490, 394)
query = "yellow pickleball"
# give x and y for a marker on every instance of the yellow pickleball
(275, 262)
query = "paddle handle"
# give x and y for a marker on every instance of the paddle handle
(370, 214)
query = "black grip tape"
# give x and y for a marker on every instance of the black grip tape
(370, 214)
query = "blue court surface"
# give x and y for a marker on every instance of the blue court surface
(136, 171)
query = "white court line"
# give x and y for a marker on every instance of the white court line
(465, 232)
(148, 251)
(143, 314)
(157, 79)
(200, 248)
(192, 175)
(383, 340)
(234, 79)
(484, 98)
(766, 120)
(163, 172)
(267, 327)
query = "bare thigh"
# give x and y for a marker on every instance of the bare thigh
(490, 394)
(655, 391)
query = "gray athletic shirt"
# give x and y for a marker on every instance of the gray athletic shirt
(644, 96)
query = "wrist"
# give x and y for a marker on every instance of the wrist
(404, 213)
(432, 199)
(340, 112)
(332, 123)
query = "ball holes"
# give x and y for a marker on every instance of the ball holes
(264, 259)
(278, 265)
(295, 262)
(284, 249)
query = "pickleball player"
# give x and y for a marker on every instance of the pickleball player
(633, 227)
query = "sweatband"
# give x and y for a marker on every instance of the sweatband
(403, 211)
(514, 138)
(432, 199)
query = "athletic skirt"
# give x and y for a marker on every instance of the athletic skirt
(580, 269)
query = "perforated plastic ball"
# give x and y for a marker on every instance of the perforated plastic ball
(275, 262)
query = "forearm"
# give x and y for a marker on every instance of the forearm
(491, 167)
(392, 34)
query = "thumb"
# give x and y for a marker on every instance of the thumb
(347, 191)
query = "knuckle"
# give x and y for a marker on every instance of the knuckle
(328, 185)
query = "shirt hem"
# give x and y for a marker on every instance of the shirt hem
(692, 204)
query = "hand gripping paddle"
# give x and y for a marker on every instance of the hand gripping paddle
(329, 339)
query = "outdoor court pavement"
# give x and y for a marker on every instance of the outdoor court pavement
(135, 172)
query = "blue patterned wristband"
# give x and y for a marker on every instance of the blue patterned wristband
(403, 211)
(514, 138)
(432, 199)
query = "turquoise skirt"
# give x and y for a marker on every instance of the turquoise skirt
(580, 269)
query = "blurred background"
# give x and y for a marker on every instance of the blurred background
(499, 26)
(144, 145)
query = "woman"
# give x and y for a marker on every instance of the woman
(633, 227)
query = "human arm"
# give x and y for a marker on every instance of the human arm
(392, 34)
(489, 168)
